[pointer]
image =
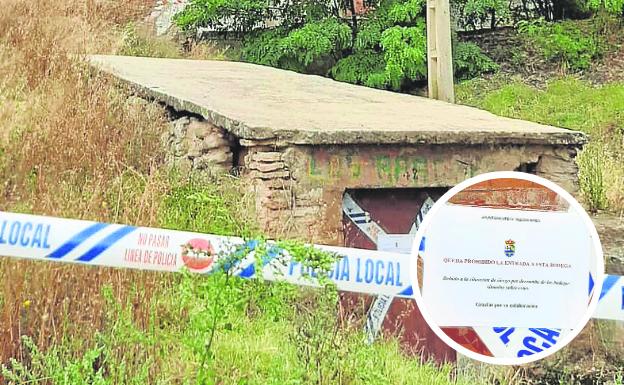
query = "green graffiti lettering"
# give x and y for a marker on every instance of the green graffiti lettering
(312, 167)
(354, 166)
(382, 166)
(334, 167)
(400, 168)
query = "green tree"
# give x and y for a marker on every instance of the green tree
(386, 48)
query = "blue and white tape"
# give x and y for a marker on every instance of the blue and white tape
(113, 245)
(611, 304)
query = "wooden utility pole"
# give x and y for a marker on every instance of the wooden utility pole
(439, 56)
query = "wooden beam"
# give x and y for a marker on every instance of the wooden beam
(439, 55)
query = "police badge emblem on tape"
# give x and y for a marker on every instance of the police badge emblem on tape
(506, 268)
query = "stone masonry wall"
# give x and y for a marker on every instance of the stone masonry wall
(299, 188)
(283, 207)
(194, 144)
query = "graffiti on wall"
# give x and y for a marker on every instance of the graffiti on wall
(383, 168)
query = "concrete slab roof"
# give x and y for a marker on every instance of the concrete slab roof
(262, 103)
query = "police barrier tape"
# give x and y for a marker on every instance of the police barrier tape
(114, 245)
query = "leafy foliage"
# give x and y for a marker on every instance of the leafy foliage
(562, 42)
(612, 6)
(469, 61)
(405, 53)
(243, 16)
(390, 48)
(316, 40)
(264, 47)
(404, 12)
(387, 50)
(266, 334)
(366, 67)
(59, 369)
(222, 15)
(194, 205)
(299, 48)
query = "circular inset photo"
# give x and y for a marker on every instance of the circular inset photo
(507, 268)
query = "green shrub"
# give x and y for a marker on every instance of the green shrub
(222, 15)
(206, 206)
(55, 367)
(263, 47)
(469, 61)
(390, 48)
(591, 178)
(475, 14)
(245, 16)
(387, 50)
(405, 53)
(299, 48)
(316, 40)
(562, 42)
(613, 6)
(366, 67)
(219, 329)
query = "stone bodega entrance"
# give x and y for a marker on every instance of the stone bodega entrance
(306, 146)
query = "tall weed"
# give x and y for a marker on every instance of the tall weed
(73, 145)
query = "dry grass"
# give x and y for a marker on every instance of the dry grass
(139, 40)
(72, 145)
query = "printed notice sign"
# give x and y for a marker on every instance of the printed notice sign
(526, 268)
(508, 268)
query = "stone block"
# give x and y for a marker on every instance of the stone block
(267, 157)
(278, 184)
(180, 148)
(313, 195)
(194, 146)
(267, 167)
(276, 204)
(559, 169)
(215, 139)
(307, 212)
(269, 175)
(213, 158)
(179, 126)
(197, 129)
